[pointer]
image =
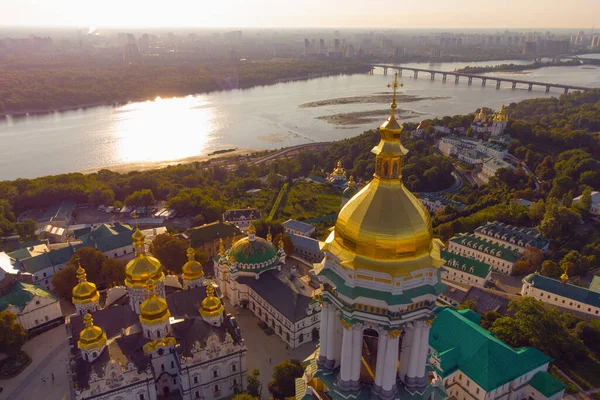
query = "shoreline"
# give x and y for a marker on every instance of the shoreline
(117, 103)
(151, 165)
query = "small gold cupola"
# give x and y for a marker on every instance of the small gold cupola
(85, 295)
(192, 269)
(154, 310)
(92, 339)
(211, 308)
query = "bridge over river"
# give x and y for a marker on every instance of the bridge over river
(469, 77)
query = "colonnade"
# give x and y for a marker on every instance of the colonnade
(412, 355)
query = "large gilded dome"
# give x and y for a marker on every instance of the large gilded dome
(384, 227)
(143, 267)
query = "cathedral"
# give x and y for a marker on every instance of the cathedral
(382, 332)
(146, 342)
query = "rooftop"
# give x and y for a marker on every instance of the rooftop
(21, 294)
(567, 290)
(244, 213)
(484, 358)
(210, 232)
(486, 246)
(517, 235)
(465, 264)
(546, 384)
(305, 243)
(298, 226)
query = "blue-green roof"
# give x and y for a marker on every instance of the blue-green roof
(567, 290)
(465, 264)
(546, 384)
(258, 251)
(21, 294)
(461, 344)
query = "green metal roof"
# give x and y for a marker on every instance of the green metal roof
(465, 264)
(209, 232)
(389, 298)
(567, 290)
(461, 344)
(258, 251)
(21, 294)
(487, 246)
(546, 384)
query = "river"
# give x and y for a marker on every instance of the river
(263, 117)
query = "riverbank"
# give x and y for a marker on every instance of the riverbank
(377, 98)
(517, 67)
(83, 87)
(152, 165)
(366, 117)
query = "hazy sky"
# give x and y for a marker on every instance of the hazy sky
(304, 13)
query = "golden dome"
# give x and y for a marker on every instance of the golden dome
(143, 266)
(501, 116)
(339, 170)
(84, 292)
(211, 305)
(564, 278)
(91, 337)
(251, 229)
(384, 227)
(192, 269)
(154, 310)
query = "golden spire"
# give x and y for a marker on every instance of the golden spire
(395, 86)
(391, 130)
(269, 237)
(564, 278)
(251, 229)
(221, 247)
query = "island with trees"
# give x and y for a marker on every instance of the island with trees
(518, 67)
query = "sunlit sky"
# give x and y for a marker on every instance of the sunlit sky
(303, 13)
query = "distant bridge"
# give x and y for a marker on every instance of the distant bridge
(484, 79)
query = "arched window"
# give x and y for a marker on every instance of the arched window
(94, 354)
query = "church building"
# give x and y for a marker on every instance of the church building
(148, 344)
(381, 281)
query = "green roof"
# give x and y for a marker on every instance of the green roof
(465, 264)
(21, 294)
(461, 344)
(567, 290)
(209, 232)
(258, 251)
(486, 246)
(546, 384)
(390, 299)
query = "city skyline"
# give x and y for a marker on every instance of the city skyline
(465, 14)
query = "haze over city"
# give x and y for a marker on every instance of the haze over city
(310, 13)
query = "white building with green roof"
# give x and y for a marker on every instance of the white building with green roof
(499, 256)
(474, 364)
(560, 293)
(461, 269)
(35, 308)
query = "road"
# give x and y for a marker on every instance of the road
(288, 150)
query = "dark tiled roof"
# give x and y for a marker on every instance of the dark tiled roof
(513, 234)
(305, 243)
(298, 226)
(209, 232)
(195, 329)
(279, 295)
(246, 213)
(111, 319)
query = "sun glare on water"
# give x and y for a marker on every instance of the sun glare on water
(163, 129)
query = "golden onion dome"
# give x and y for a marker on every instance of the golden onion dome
(211, 305)
(143, 266)
(564, 278)
(84, 292)
(91, 337)
(154, 310)
(501, 116)
(192, 269)
(339, 170)
(384, 227)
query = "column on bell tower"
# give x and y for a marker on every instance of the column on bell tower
(324, 325)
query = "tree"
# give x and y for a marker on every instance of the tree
(574, 263)
(101, 194)
(537, 211)
(26, 229)
(468, 304)
(12, 333)
(589, 333)
(551, 269)
(170, 250)
(254, 387)
(283, 384)
(534, 256)
(140, 198)
(488, 318)
(64, 280)
(521, 267)
(113, 271)
(91, 260)
(585, 203)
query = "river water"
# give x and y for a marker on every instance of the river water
(264, 117)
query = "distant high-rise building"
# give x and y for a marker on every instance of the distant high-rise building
(306, 46)
(321, 46)
(337, 45)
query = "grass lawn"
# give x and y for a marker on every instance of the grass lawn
(586, 372)
(13, 365)
(308, 200)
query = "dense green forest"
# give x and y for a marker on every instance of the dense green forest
(517, 67)
(30, 87)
